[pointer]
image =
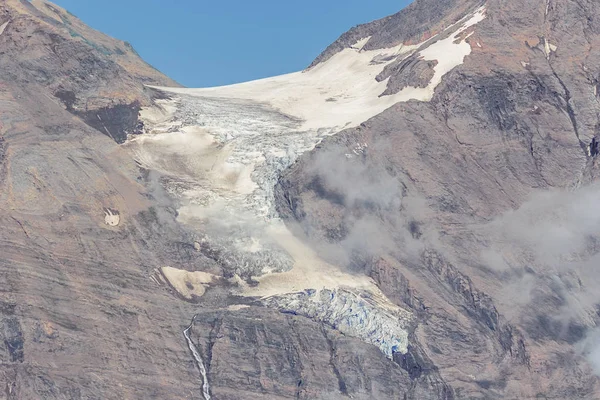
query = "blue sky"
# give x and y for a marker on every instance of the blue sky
(208, 43)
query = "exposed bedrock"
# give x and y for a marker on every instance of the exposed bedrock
(95, 77)
(412, 71)
(433, 176)
(260, 353)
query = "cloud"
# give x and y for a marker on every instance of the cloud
(556, 228)
(590, 348)
(357, 183)
(548, 254)
(365, 209)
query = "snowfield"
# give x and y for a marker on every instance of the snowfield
(343, 92)
(223, 149)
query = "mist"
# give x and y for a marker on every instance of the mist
(548, 253)
(543, 257)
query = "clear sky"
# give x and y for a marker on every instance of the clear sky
(216, 42)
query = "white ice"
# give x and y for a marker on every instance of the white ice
(111, 219)
(342, 92)
(224, 148)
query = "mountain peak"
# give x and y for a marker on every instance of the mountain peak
(414, 216)
(416, 23)
(89, 72)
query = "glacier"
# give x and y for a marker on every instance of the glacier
(354, 314)
(222, 150)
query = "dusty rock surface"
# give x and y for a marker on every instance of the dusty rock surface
(80, 318)
(418, 198)
(519, 116)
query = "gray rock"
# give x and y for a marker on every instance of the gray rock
(254, 353)
(513, 119)
(412, 71)
(414, 24)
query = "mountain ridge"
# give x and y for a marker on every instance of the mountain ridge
(416, 23)
(411, 217)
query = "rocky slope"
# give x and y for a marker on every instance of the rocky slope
(436, 169)
(80, 317)
(518, 117)
(95, 77)
(88, 308)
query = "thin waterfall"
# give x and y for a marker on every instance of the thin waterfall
(199, 361)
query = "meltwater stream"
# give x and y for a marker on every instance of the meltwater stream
(199, 361)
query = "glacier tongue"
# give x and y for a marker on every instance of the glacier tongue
(351, 314)
(222, 158)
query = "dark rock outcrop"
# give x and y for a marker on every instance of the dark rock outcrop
(412, 71)
(97, 78)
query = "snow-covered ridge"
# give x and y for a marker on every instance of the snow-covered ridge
(343, 92)
(223, 150)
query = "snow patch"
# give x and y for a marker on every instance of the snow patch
(448, 53)
(187, 284)
(111, 217)
(339, 93)
(549, 48)
(348, 78)
(3, 27)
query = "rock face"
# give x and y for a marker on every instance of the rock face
(79, 316)
(518, 116)
(97, 78)
(424, 265)
(412, 71)
(255, 354)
